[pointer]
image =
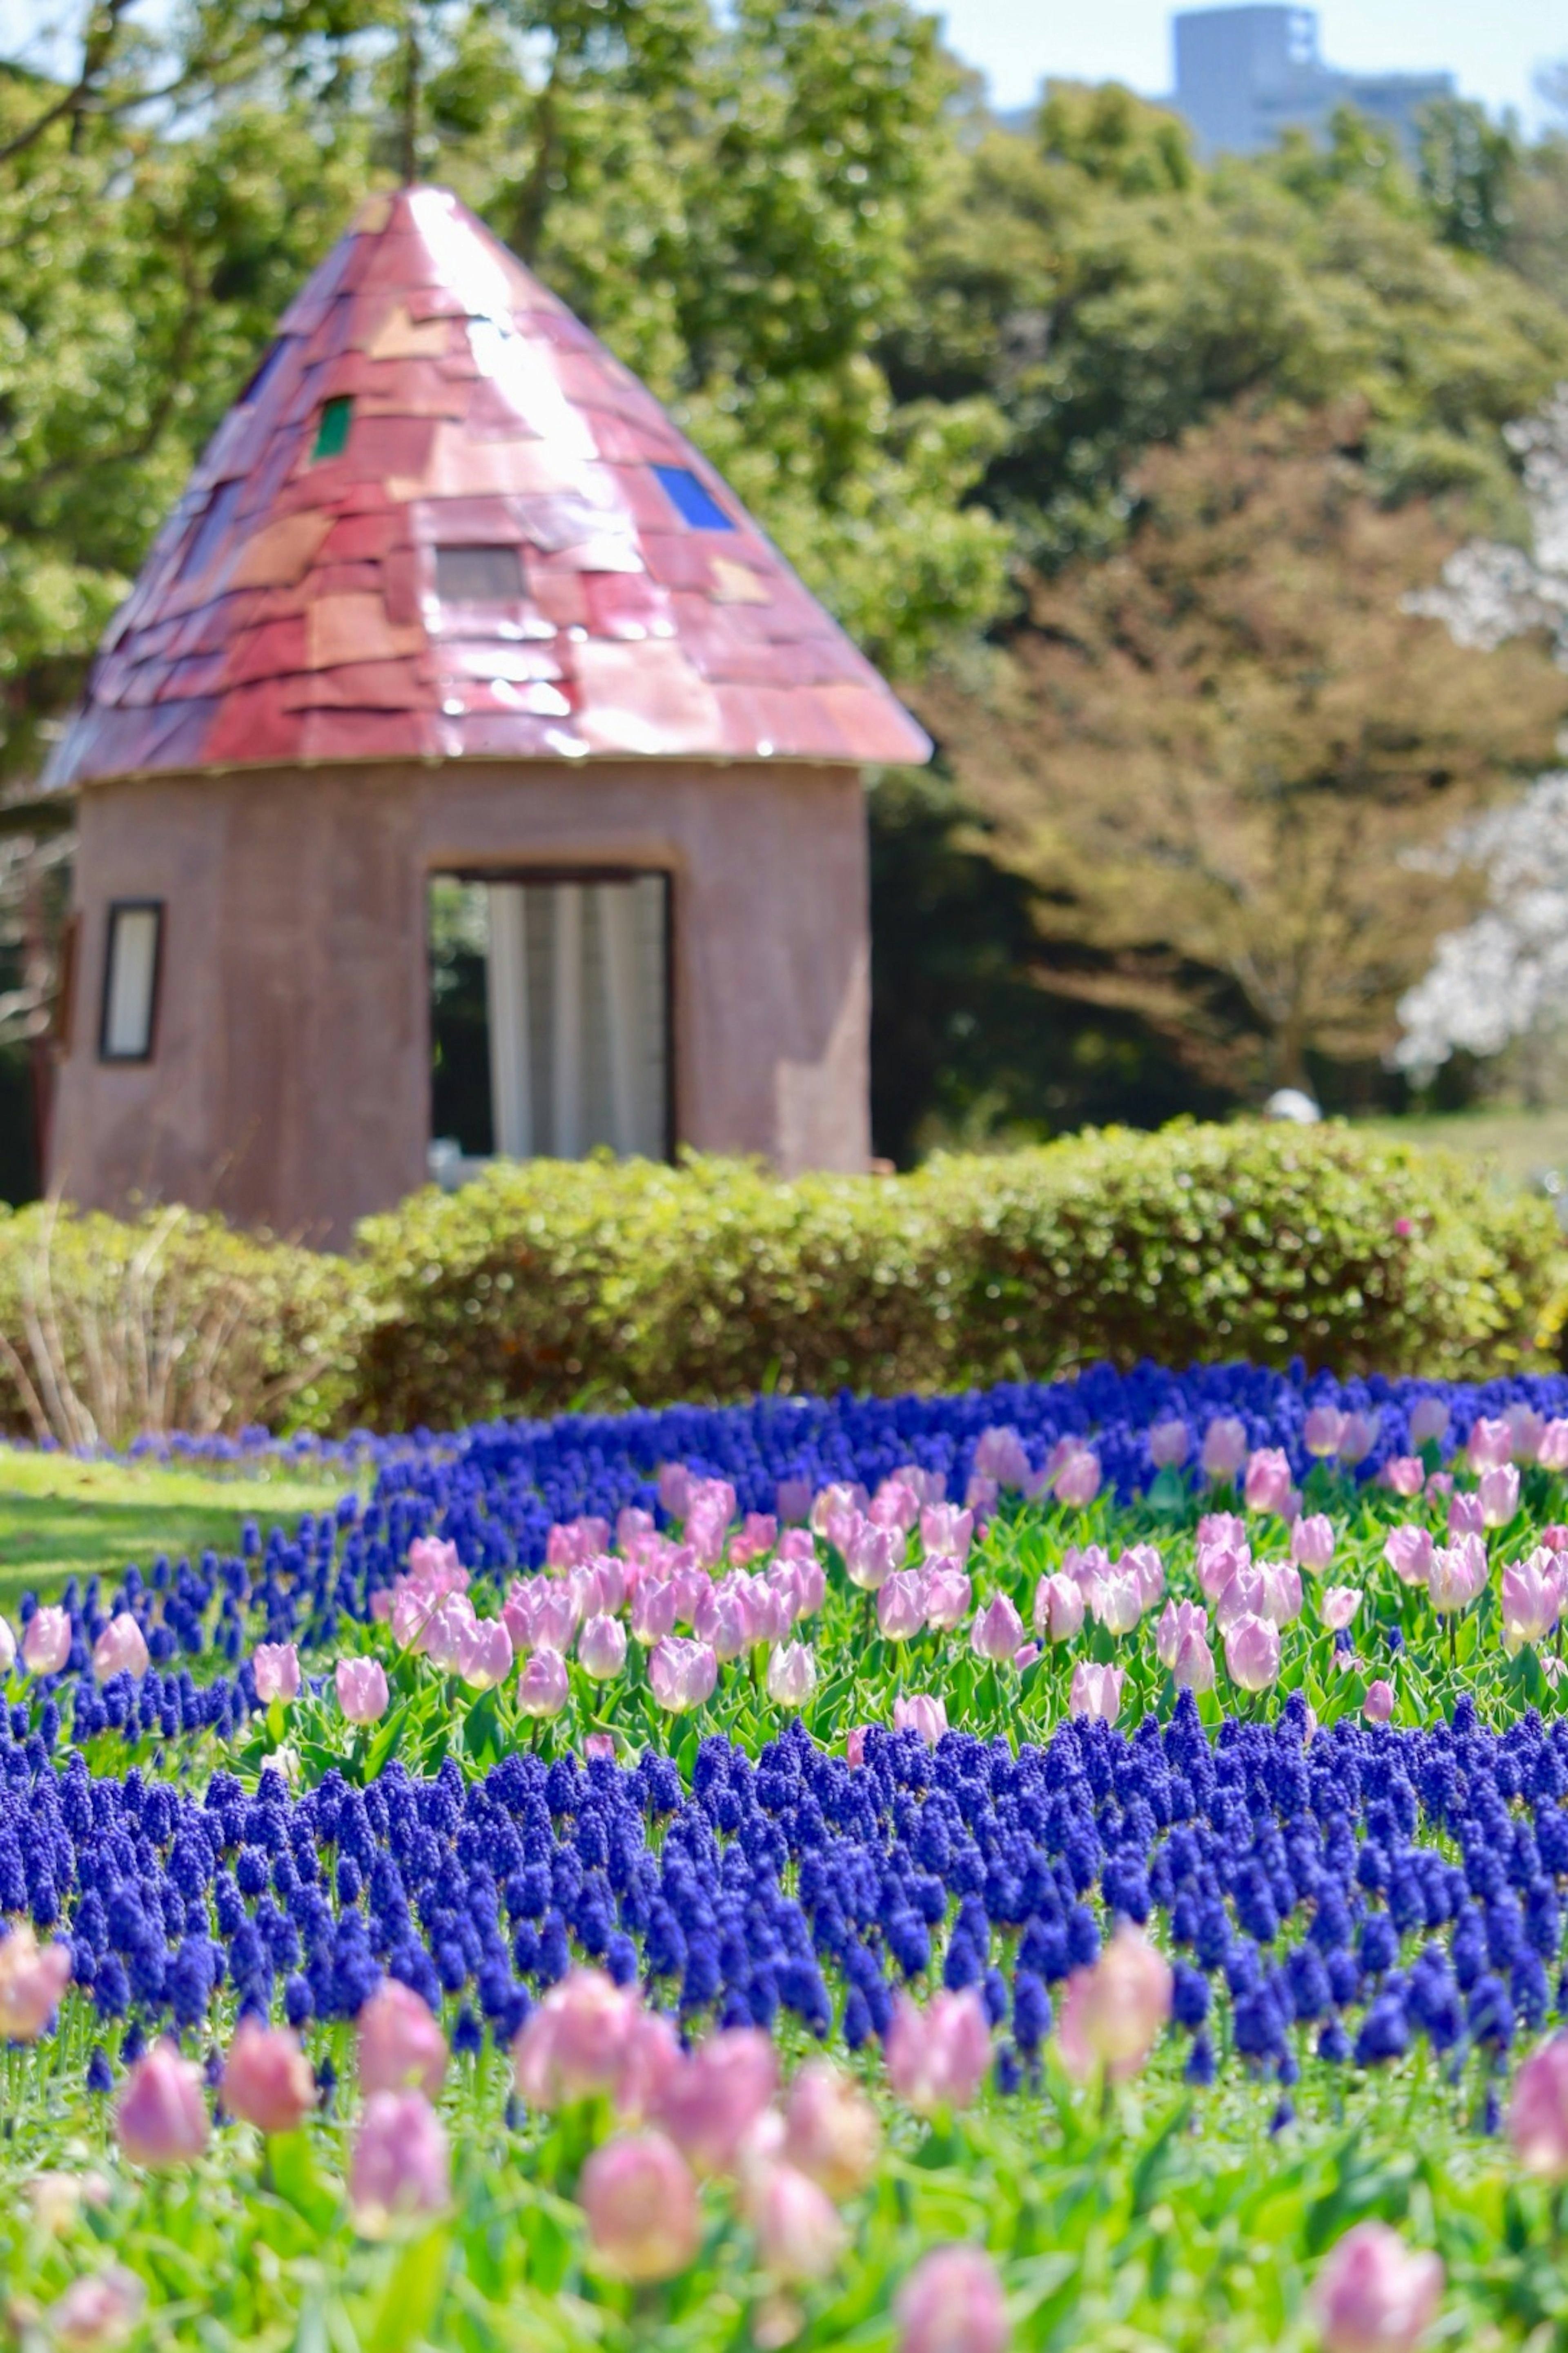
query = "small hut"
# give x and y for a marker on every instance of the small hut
(466, 774)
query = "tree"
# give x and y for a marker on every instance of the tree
(1220, 746)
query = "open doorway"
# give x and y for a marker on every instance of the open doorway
(549, 1016)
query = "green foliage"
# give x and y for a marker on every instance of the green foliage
(547, 1282)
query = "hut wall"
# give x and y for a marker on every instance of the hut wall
(289, 1084)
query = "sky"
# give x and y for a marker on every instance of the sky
(1492, 46)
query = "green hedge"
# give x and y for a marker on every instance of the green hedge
(548, 1284)
(545, 1285)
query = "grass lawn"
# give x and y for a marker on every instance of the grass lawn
(1525, 1144)
(59, 1517)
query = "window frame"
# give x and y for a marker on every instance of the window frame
(157, 909)
(527, 872)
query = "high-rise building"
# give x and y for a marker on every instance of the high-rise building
(1245, 75)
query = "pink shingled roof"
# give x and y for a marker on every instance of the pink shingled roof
(289, 610)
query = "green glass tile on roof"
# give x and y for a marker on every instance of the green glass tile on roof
(331, 433)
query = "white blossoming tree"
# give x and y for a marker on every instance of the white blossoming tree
(1502, 980)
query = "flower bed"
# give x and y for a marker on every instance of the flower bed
(1069, 1864)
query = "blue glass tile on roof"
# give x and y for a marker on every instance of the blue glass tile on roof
(691, 501)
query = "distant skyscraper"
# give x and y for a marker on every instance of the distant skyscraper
(1245, 75)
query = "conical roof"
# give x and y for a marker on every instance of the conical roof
(442, 522)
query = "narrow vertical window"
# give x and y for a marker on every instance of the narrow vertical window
(131, 980)
(331, 433)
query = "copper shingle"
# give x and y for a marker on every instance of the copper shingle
(288, 611)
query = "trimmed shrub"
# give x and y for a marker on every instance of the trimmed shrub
(111, 1328)
(548, 1284)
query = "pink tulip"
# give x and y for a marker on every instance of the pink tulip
(1252, 1653)
(1059, 1608)
(1322, 1432)
(450, 1629)
(949, 1594)
(997, 1631)
(711, 2103)
(937, 2057)
(1142, 1562)
(575, 2046)
(121, 1650)
(854, 1744)
(947, 1530)
(871, 1555)
(435, 1563)
(1194, 1665)
(414, 1607)
(1337, 1605)
(1112, 2014)
(484, 1655)
(33, 1979)
(361, 1692)
(267, 2078)
(46, 1644)
(681, 1674)
(7, 1650)
(640, 2203)
(631, 1524)
(1247, 1595)
(1312, 1541)
(1551, 1453)
(901, 1606)
(98, 2311)
(832, 1501)
(791, 1674)
(401, 2046)
(1467, 1516)
(401, 2164)
(1373, 2295)
(1405, 1473)
(1224, 1449)
(830, 2129)
(1218, 1565)
(952, 2303)
(921, 1712)
(1490, 1445)
(1378, 1705)
(1223, 1528)
(276, 1666)
(758, 1535)
(1079, 1481)
(1408, 1552)
(999, 1454)
(1499, 1492)
(653, 1608)
(1281, 1592)
(601, 1649)
(1170, 1443)
(543, 1687)
(1429, 1418)
(1116, 1601)
(1096, 1691)
(651, 2056)
(1538, 2117)
(1178, 1618)
(792, 1502)
(1458, 1576)
(162, 2116)
(1358, 1437)
(1268, 1483)
(1533, 1594)
(1528, 1429)
(895, 1505)
(800, 2236)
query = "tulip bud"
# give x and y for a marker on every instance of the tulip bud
(361, 1692)
(1224, 1449)
(1170, 1443)
(401, 2043)
(710, 2105)
(162, 2116)
(601, 1649)
(1429, 1418)
(1378, 1705)
(276, 1666)
(952, 2303)
(267, 2078)
(33, 1979)
(641, 2202)
(120, 1650)
(1268, 1485)
(1499, 1492)
(97, 2313)
(997, 1631)
(1079, 1481)
(1193, 1668)
(1373, 2295)
(1322, 1432)
(543, 1687)
(1538, 2118)
(401, 2164)
(937, 2058)
(46, 1644)
(791, 1674)
(1252, 1653)
(1112, 2014)
(831, 2130)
